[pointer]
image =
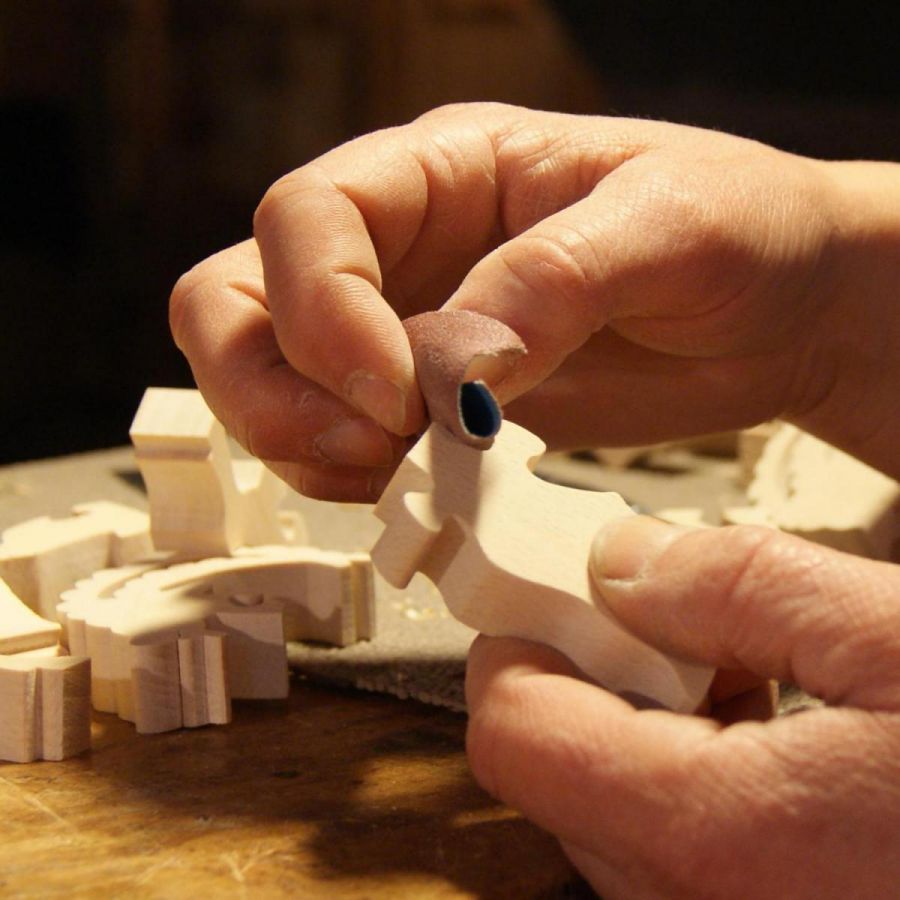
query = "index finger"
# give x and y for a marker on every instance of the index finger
(373, 224)
(323, 285)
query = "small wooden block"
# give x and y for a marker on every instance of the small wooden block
(45, 710)
(205, 699)
(65, 704)
(509, 552)
(18, 700)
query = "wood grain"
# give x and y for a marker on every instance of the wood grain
(326, 794)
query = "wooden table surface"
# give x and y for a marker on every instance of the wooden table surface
(330, 793)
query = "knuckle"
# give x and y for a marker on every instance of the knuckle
(260, 435)
(558, 262)
(755, 556)
(463, 110)
(183, 296)
(281, 195)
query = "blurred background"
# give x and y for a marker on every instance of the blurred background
(137, 136)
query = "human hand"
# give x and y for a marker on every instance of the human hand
(653, 804)
(666, 280)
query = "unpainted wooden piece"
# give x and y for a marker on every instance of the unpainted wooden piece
(509, 553)
(172, 646)
(751, 443)
(202, 502)
(806, 487)
(42, 557)
(21, 628)
(724, 444)
(45, 710)
(689, 516)
(44, 700)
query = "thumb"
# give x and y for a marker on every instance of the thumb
(755, 598)
(562, 279)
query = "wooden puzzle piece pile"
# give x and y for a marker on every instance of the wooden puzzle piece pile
(164, 618)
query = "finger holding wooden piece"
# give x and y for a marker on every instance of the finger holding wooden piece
(458, 354)
(509, 553)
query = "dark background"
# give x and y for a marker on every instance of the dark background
(137, 136)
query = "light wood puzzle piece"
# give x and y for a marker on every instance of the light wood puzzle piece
(509, 553)
(45, 710)
(42, 557)
(21, 628)
(202, 502)
(44, 700)
(172, 646)
(806, 487)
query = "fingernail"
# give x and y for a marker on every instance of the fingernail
(627, 550)
(378, 398)
(355, 442)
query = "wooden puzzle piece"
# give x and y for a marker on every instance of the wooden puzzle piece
(42, 557)
(806, 487)
(202, 502)
(21, 628)
(172, 646)
(44, 699)
(509, 553)
(45, 710)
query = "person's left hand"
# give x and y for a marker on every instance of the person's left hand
(653, 804)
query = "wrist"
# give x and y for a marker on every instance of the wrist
(855, 363)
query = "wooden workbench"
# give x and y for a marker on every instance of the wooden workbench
(332, 793)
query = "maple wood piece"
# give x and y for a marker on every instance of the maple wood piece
(202, 502)
(751, 443)
(45, 708)
(172, 646)
(22, 629)
(457, 353)
(806, 487)
(42, 557)
(509, 553)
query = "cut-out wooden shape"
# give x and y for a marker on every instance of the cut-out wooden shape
(42, 557)
(202, 502)
(806, 487)
(751, 443)
(172, 646)
(509, 553)
(21, 628)
(45, 710)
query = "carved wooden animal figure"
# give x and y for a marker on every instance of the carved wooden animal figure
(509, 553)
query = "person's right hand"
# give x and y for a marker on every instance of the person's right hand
(666, 280)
